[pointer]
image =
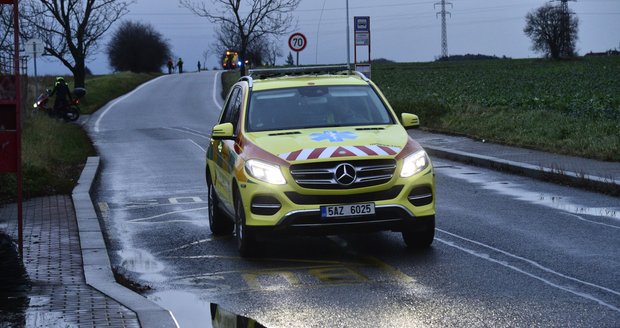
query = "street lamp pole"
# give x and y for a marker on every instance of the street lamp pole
(348, 40)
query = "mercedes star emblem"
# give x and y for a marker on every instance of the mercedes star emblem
(345, 174)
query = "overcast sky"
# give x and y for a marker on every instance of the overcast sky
(401, 30)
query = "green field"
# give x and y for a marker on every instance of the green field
(568, 107)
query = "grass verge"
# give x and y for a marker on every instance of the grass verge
(54, 152)
(567, 107)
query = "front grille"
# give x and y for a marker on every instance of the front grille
(322, 175)
(344, 199)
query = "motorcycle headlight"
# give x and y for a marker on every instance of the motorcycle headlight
(414, 163)
(265, 172)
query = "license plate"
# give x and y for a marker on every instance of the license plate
(347, 210)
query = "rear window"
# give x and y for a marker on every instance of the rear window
(315, 106)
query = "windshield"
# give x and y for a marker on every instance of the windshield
(315, 106)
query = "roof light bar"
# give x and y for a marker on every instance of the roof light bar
(265, 72)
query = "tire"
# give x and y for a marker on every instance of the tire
(420, 237)
(71, 114)
(246, 241)
(220, 225)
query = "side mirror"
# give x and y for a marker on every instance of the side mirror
(410, 121)
(223, 131)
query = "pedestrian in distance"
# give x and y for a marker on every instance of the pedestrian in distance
(63, 95)
(180, 65)
(170, 65)
(199, 66)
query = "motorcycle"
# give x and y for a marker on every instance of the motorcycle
(70, 112)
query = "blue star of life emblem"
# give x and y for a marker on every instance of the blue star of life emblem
(333, 136)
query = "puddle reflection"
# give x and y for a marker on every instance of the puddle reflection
(192, 311)
(538, 198)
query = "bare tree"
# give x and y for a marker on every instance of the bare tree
(6, 30)
(553, 31)
(205, 56)
(259, 51)
(72, 29)
(250, 19)
(273, 52)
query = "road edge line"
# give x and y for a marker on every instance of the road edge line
(96, 262)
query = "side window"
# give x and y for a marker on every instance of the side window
(236, 108)
(232, 99)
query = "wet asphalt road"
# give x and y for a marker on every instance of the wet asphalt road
(509, 251)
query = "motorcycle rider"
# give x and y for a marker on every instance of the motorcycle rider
(63, 95)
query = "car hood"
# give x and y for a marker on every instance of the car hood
(309, 144)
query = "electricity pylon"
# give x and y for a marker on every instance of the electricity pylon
(444, 28)
(566, 35)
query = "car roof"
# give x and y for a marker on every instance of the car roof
(291, 77)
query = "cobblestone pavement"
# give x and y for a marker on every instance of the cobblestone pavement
(59, 296)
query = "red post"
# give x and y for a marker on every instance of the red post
(10, 126)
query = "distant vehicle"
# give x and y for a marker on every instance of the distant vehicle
(231, 60)
(316, 150)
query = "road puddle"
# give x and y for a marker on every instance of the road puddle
(190, 310)
(142, 262)
(517, 192)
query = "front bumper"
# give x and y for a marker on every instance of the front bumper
(403, 203)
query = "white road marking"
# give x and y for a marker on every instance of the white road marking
(117, 100)
(590, 221)
(168, 213)
(178, 200)
(189, 131)
(190, 140)
(505, 264)
(185, 246)
(197, 145)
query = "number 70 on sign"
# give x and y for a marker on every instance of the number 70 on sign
(297, 42)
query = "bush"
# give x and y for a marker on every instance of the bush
(138, 48)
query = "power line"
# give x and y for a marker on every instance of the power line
(444, 28)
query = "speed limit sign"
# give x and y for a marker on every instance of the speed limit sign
(297, 42)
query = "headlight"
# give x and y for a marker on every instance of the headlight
(414, 163)
(265, 172)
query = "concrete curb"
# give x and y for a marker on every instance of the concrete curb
(537, 172)
(96, 263)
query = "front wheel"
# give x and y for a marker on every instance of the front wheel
(71, 114)
(246, 241)
(219, 224)
(420, 237)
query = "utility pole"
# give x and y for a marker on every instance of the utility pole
(444, 28)
(565, 37)
(348, 39)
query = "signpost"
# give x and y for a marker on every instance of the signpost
(361, 26)
(297, 42)
(10, 122)
(36, 48)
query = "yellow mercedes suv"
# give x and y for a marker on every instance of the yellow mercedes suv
(316, 150)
